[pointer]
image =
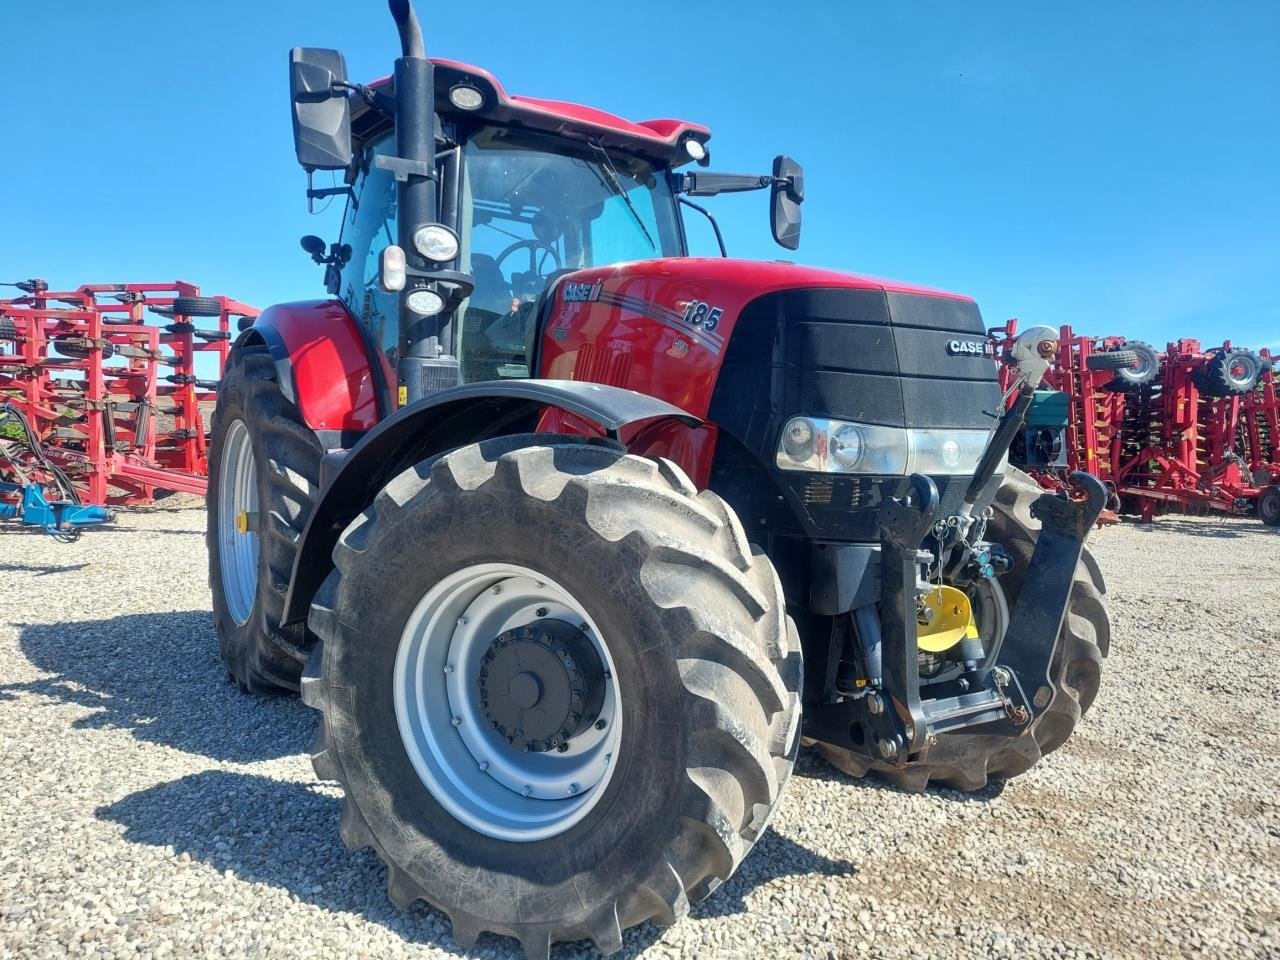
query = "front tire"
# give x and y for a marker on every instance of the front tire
(698, 657)
(264, 467)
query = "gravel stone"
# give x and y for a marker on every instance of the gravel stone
(148, 809)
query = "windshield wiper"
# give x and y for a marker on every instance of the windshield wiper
(616, 186)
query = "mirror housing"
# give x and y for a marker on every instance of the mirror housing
(321, 115)
(787, 195)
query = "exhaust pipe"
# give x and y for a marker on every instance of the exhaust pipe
(419, 363)
(411, 44)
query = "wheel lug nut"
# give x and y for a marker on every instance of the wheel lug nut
(484, 766)
(583, 627)
(462, 621)
(528, 790)
(601, 724)
(540, 612)
(448, 668)
(457, 721)
(497, 588)
(573, 788)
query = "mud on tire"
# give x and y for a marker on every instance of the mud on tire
(707, 663)
(967, 761)
(260, 654)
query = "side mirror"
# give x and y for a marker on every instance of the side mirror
(321, 115)
(788, 194)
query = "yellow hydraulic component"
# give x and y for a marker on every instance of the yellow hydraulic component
(945, 619)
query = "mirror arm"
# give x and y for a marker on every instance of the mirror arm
(314, 194)
(706, 213)
(711, 184)
(376, 99)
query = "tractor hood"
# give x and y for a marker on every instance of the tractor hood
(876, 351)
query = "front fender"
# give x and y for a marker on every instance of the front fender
(444, 421)
(323, 366)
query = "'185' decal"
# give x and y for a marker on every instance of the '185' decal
(699, 314)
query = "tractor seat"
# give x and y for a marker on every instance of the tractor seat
(492, 292)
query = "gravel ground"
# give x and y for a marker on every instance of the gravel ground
(147, 808)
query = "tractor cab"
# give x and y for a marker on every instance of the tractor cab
(522, 192)
(529, 208)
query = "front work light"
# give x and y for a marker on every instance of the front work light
(424, 302)
(466, 97)
(436, 242)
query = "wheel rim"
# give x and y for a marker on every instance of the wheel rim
(237, 522)
(455, 738)
(991, 616)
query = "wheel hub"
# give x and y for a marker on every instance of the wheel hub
(541, 685)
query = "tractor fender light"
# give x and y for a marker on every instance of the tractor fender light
(424, 302)
(466, 97)
(393, 276)
(695, 148)
(436, 242)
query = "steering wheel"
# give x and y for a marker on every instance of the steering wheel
(536, 263)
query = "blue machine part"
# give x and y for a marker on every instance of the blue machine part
(60, 518)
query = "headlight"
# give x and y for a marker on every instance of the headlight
(436, 242)
(835, 446)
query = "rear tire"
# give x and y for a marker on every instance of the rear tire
(967, 761)
(706, 664)
(248, 589)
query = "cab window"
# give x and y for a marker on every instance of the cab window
(536, 207)
(370, 226)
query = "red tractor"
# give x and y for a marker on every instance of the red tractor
(573, 539)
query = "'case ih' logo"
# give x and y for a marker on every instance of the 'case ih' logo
(581, 292)
(966, 348)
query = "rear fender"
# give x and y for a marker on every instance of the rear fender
(444, 421)
(323, 366)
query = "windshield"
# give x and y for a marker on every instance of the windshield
(534, 207)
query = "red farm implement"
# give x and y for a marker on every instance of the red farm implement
(111, 380)
(1189, 428)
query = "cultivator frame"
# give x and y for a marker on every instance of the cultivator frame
(1168, 443)
(95, 375)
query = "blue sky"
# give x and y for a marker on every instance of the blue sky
(1112, 166)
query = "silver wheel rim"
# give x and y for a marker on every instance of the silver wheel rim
(484, 782)
(237, 522)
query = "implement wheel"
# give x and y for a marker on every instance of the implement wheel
(264, 466)
(1269, 506)
(560, 691)
(1229, 373)
(197, 306)
(1137, 373)
(966, 761)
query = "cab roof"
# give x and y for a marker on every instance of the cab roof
(659, 139)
